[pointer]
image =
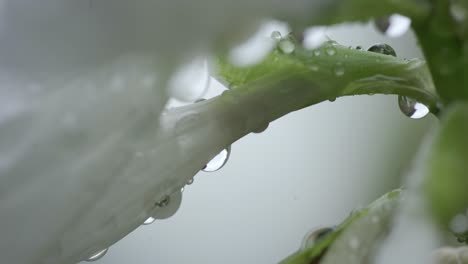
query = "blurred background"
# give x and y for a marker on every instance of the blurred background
(309, 169)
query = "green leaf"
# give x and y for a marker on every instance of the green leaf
(446, 182)
(352, 240)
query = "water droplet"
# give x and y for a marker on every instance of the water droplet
(383, 49)
(459, 223)
(314, 67)
(276, 35)
(164, 201)
(182, 189)
(261, 128)
(354, 243)
(317, 52)
(339, 69)
(149, 221)
(330, 50)
(358, 47)
(412, 108)
(311, 238)
(287, 45)
(393, 26)
(97, 255)
(170, 209)
(218, 161)
(189, 182)
(333, 99)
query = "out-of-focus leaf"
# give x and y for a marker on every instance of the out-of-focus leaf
(354, 240)
(446, 183)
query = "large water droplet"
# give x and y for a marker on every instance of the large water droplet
(287, 45)
(276, 35)
(412, 108)
(459, 223)
(261, 128)
(218, 161)
(164, 201)
(311, 238)
(149, 221)
(170, 208)
(393, 26)
(383, 49)
(97, 255)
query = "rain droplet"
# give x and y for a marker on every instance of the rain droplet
(170, 209)
(330, 50)
(261, 128)
(189, 182)
(383, 49)
(393, 26)
(317, 52)
(276, 35)
(218, 161)
(311, 238)
(412, 108)
(358, 47)
(97, 255)
(354, 243)
(459, 223)
(164, 201)
(287, 45)
(339, 69)
(333, 99)
(149, 221)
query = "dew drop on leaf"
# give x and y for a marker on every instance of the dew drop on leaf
(412, 108)
(149, 221)
(311, 238)
(261, 128)
(393, 26)
(164, 201)
(189, 182)
(286, 45)
(218, 161)
(383, 49)
(276, 35)
(97, 256)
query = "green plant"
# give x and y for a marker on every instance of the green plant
(105, 166)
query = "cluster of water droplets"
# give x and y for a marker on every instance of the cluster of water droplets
(286, 44)
(408, 106)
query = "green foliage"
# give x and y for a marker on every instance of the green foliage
(333, 70)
